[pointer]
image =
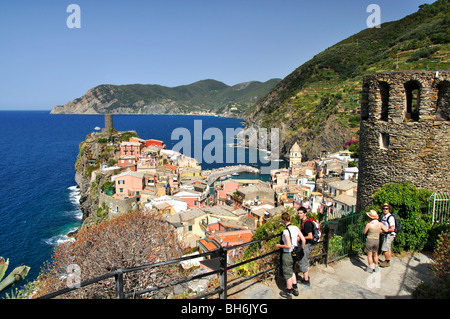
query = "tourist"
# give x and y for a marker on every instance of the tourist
(373, 230)
(290, 239)
(388, 235)
(307, 231)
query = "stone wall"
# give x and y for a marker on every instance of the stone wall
(404, 132)
(118, 207)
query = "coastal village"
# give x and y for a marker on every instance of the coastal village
(214, 208)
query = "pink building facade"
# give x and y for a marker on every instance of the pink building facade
(130, 148)
(129, 184)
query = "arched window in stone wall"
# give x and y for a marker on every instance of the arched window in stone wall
(384, 92)
(365, 102)
(412, 91)
(443, 102)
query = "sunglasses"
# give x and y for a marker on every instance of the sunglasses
(385, 208)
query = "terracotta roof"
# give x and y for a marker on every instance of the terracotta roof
(209, 245)
(244, 236)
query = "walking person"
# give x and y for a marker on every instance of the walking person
(290, 238)
(388, 235)
(307, 231)
(373, 230)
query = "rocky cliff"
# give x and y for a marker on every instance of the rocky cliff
(95, 150)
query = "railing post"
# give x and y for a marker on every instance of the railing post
(119, 284)
(223, 273)
(326, 243)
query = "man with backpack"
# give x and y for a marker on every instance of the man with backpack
(307, 228)
(388, 221)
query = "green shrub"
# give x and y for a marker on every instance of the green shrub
(406, 201)
(335, 247)
(439, 287)
(422, 53)
(106, 186)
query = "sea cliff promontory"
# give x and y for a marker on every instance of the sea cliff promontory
(202, 97)
(97, 150)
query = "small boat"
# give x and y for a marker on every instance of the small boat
(235, 174)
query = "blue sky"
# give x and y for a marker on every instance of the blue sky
(44, 63)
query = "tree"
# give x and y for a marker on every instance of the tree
(130, 240)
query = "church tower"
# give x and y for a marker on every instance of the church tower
(295, 155)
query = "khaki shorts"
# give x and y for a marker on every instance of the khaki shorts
(372, 245)
(387, 241)
(287, 265)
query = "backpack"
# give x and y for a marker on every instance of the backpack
(398, 225)
(316, 231)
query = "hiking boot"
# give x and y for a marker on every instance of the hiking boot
(377, 269)
(286, 294)
(295, 292)
(369, 269)
(385, 264)
(306, 283)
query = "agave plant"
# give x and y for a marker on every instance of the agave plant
(16, 276)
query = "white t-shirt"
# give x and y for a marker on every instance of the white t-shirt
(295, 231)
(388, 222)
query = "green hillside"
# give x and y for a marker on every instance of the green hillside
(318, 103)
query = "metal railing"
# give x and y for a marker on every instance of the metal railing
(439, 207)
(345, 236)
(222, 272)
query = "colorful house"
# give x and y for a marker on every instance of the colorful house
(193, 198)
(129, 184)
(225, 239)
(128, 161)
(130, 148)
(153, 142)
(188, 225)
(222, 188)
(248, 196)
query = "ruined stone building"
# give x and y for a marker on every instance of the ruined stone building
(404, 131)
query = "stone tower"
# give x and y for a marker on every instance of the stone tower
(295, 155)
(404, 131)
(108, 122)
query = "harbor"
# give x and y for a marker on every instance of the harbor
(227, 172)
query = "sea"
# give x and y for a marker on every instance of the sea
(39, 198)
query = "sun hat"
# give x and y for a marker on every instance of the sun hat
(386, 204)
(372, 214)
